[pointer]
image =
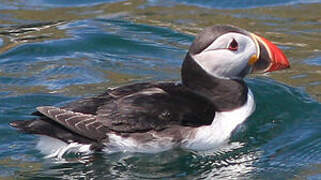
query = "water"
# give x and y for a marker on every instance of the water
(54, 52)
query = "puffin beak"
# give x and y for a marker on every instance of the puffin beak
(270, 57)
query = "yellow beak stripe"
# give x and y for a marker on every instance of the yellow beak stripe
(256, 56)
(253, 59)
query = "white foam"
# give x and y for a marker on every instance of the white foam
(55, 148)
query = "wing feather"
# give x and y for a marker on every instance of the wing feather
(83, 124)
(155, 108)
(131, 109)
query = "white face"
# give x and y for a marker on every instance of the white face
(228, 55)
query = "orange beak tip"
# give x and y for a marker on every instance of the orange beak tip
(278, 59)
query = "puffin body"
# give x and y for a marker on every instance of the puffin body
(199, 113)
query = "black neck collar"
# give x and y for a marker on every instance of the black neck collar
(224, 94)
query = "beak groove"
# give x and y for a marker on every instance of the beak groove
(271, 57)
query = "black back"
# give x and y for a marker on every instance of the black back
(134, 108)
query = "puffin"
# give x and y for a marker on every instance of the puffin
(199, 113)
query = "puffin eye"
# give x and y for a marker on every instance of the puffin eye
(233, 45)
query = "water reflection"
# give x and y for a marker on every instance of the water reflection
(297, 35)
(236, 4)
(229, 161)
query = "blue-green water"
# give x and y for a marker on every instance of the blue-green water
(52, 52)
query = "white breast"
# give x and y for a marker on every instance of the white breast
(214, 135)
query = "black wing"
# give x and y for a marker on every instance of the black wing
(134, 108)
(91, 105)
(156, 108)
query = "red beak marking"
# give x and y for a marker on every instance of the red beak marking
(279, 60)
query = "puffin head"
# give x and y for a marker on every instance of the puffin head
(229, 52)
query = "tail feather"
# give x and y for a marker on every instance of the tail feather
(45, 126)
(22, 125)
